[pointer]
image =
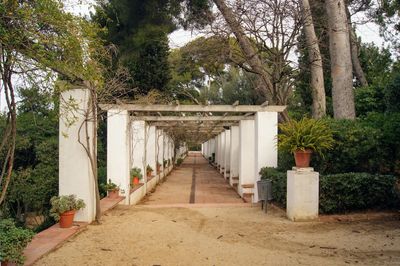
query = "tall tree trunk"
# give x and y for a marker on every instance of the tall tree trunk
(358, 71)
(249, 52)
(314, 55)
(340, 55)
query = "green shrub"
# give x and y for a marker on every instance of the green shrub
(179, 161)
(136, 172)
(370, 144)
(13, 241)
(357, 191)
(343, 192)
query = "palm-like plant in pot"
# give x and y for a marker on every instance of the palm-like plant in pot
(304, 137)
(63, 209)
(136, 174)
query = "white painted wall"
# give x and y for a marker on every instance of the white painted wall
(265, 135)
(234, 153)
(75, 173)
(118, 150)
(246, 153)
(227, 157)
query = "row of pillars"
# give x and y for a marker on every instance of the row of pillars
(130, 143)
(241, 151)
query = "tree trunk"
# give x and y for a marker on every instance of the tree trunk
(340, 55)
(314, 55)
(358, 71)
(249, 52)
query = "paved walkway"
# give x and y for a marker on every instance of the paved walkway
(195, 181)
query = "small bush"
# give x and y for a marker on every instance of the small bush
(179, 161)
(343, 192)
(13, 241)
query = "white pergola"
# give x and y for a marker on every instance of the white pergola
(242, 138)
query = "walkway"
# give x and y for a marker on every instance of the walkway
(195, 181)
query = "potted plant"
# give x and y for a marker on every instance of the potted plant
(13, 241)
(149, 170)
(158, 167)
(165, 163)
(169, 162)
(136, 174)
(63, 209)
(112, 190)
(304, 137)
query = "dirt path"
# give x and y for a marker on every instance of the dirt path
(151, 234)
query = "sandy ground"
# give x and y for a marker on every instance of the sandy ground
(226, 236)
(198, 234)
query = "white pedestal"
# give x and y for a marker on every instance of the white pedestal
(302, 194)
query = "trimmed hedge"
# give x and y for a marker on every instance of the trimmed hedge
(370, 144)
(344, 192)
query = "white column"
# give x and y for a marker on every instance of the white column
(217, 143)
(151, 147)
(227, 153)
(265, 135)
(302, 194)
(234, 156)
(75, 172)
(222, 153)
(118, 150)
(138, 133)
(246, 154)
(160, 148)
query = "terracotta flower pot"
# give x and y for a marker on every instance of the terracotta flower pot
(135, 180)
(302, 158)
(113, 194)
(66, 219)
(7, 263)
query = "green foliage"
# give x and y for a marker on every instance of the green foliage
(357, 191)
(369, 99)
(165, 163)
(136, 172)
(392, 95)
(343, 192)
(305, 134)
(149, 169)
(13, 241)
(110, 186)
(179, 161)
(62, 204)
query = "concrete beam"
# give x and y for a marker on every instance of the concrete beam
(194, 108)
(193, 118)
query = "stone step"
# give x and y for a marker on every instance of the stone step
(247, 185)
(248, 197)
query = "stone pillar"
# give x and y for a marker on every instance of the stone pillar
(222, 153)
(75, 172)
(118, 150)
(302, 194)
(246, 154)
(138, 159)
(160, 148)
(234, 155)
(217, 143)
(227, 154)
(151, 147)
(266, 151)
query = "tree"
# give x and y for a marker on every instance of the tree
(340, 56)
(316, 66)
